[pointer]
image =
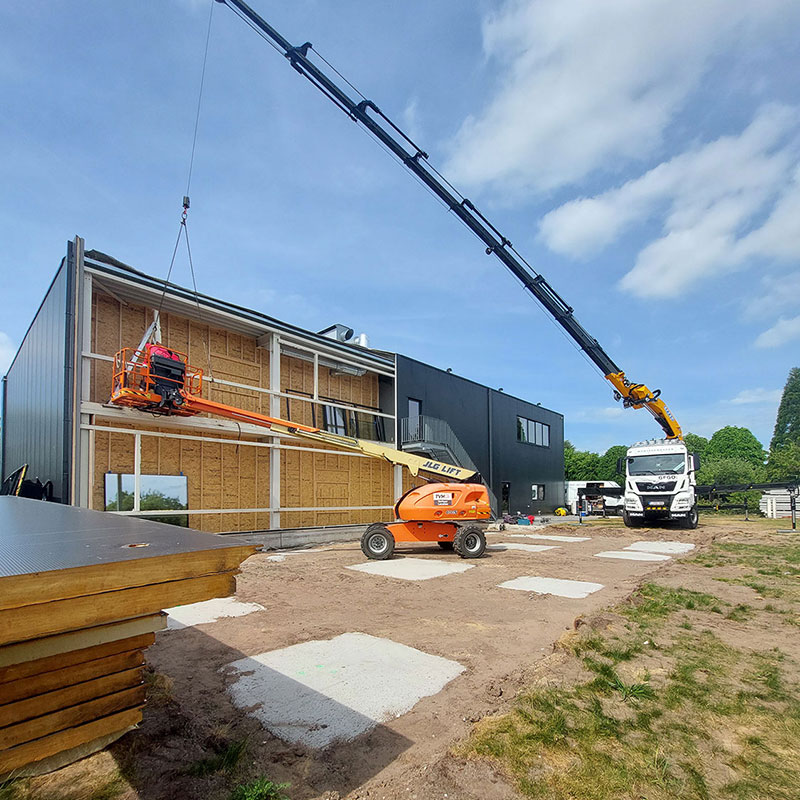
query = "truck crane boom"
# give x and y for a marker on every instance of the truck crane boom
(368, 114)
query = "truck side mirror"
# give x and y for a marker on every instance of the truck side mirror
(620, 466)
(696, 459)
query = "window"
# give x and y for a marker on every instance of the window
(335, 420)
(537, 492)
(533, 432)
(156, 492)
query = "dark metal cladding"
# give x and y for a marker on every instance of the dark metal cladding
(485, 422)
(38, 392)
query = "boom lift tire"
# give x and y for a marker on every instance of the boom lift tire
(445, 545)
(377, 542)
(469, 542)
(691, 520)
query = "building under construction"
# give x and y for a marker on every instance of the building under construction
(219, 475)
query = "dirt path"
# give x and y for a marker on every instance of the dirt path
(498, 635)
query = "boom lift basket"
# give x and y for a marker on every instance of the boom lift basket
(146, 380)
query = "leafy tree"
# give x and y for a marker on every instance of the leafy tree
(607, 464)
(152, 501)
(696, 444)
(726, 471)
(729, 470)
(784, 463)
(737, 443)
(784, 450)
(580, 465)
(787, 424)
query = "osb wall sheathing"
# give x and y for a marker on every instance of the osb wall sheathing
(324, 479)
(226, 475)
(218, 475)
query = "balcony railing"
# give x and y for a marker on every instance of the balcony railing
(436, 437)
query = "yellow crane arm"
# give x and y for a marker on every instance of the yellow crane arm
(637, 395)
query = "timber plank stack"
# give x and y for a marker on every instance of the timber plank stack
(81, 594)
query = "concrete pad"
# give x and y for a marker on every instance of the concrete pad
(661, 547)
(531, 548)
(553, 537)
(412, 569)
(556, 586)
(208, 611)
(319, 692)
(632, 555)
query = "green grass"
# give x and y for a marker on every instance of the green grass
(653, 603)
(224, 761)
(108, 788)
(260, 789)
(8, 789)
(771, 570)
(711, 711)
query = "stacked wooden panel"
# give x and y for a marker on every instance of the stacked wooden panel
(81, 594)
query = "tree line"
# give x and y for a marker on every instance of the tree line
(731, 455)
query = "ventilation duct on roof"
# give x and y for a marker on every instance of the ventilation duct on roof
(341, 333)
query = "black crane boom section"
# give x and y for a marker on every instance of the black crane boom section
(382, 128)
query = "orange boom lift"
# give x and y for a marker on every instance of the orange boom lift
(160, 381)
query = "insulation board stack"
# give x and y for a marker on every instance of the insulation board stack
(81, 594)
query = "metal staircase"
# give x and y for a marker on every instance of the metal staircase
(435, 438)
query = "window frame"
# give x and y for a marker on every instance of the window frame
(531, 431)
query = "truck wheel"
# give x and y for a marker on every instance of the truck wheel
(691, 520)
(445, 545)
(469, 542)
(377, 542)
(629, 521)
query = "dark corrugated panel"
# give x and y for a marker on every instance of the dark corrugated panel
(36, 536)
(33, 426)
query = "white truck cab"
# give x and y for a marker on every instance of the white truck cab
(659, 483)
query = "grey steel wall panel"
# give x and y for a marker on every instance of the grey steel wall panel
(485, 421)
(35, 399)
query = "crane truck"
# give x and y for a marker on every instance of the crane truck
(659, 474)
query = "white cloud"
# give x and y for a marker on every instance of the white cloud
(604, 414)
(411, 120)
(706, 199)
(783, 331)
(757, 397)
(780, 293)
(586, 84)
(7, 352)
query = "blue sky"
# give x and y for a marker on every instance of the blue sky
(644, 157)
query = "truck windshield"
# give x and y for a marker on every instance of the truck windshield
(673, 463)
